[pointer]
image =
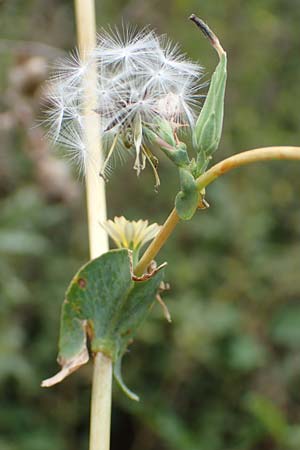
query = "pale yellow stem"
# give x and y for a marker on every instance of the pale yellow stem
(101, 403)
(95, 186)
(248, 157)
(157, 243)
(96, 209)
(241, 159)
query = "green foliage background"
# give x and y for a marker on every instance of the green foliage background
(226, 374)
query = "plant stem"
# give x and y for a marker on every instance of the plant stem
(101, 403)
(95, 186)
(241, 159)
(96, 210)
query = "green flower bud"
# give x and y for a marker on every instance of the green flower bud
(164, 139)
(165, 132)
(178, 155)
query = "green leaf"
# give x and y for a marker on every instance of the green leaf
(208, 128)
(104, 303)
(186, 201)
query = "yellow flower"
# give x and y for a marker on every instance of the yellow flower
(130, 234)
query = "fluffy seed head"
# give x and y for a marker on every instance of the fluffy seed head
(141, 78)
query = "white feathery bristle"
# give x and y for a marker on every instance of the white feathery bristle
(70, 70)
(172, 57)
(54, 114)
(62, 109)
(127, 48)
(161, 78)
(72, 139)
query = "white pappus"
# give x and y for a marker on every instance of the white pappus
(142, 78)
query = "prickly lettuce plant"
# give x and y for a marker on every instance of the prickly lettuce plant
(146, 99)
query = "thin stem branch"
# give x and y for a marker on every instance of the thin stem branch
(157, 243)
(96, 210)
(241, 159)
(248, 157)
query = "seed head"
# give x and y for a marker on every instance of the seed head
(141, 79)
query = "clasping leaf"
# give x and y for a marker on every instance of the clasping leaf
(105, 304)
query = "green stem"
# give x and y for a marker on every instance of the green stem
(241, 159)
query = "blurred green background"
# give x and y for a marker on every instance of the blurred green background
(226, 374)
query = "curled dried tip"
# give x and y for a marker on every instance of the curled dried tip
(151, 271)
(203, 27)
(69, 366)
(208, 33)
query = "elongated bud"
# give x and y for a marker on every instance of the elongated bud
(208, 129)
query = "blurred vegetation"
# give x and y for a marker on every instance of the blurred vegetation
(226, 374)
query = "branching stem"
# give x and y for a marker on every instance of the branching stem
(241, 159)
